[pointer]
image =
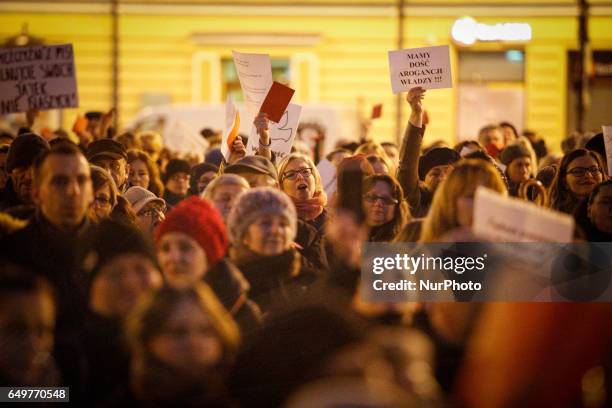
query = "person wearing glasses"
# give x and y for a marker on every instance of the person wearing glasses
(579, 172)
(299, 178)
(385, 209)
(105, 194)
(150, 210)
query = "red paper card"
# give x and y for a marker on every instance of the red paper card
(276, 101)
(376, 111)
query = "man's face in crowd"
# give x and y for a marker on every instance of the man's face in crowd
(22, 183)
(150, 216)
(64, 191)
(258, 179)
(27, 321)
(436, 175)
(118, 168)
(494, 137)
(178, 184)
(600, 211)
(519, 169)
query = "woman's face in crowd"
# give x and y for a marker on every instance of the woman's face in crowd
(182, 259)
(299, 180)
(102, 205)
(583, 174)
(600, 211)
(269, 235)
(204, 179)
(187, 339)
(224, 196)
(178, 184)
(150, 216)
(379, 204)
(27, 322)
(120, 282)
(509, 135)
(139, 174)
(519, 170)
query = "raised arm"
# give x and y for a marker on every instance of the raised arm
(261, 124)
(408, 170)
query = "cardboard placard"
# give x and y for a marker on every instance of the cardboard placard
(329, 178)
(40, 77)
(255, 75)
(507, 219)
(427, 67)
(276, 102)
(282, 134)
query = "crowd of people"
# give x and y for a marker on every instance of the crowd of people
(135, 276)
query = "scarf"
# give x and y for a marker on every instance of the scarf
(310, 208)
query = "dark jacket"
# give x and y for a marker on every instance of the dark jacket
(172, 199)
(231, 287)
(9, 197)
(310, 238)
(275, 280)
(418, 197)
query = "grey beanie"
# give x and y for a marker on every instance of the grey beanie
(513, 152)
(255, 203)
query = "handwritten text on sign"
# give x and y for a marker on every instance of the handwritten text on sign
(40, 77)
(427, 67)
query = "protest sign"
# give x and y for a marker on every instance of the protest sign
(376, 111)
(41, 77)
(276, 101)
(255, 75)
(607, 134)
(506, 219)
(282, 133)
(427, 67)
(232, 127)
(327, 171)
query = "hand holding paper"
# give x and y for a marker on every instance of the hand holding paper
(237, 152)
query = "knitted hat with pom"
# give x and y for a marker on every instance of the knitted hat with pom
(199, 219)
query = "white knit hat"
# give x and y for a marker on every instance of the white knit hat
(255, 203)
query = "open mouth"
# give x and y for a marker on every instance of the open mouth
(302, 186)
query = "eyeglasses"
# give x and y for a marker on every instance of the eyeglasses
(582, 171)
(292, 174)
(372, 198)
(152, 212)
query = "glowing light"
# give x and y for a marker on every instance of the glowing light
(467, 31)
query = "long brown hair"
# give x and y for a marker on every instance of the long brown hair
(155, 184)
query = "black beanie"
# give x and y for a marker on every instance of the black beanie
(109, 239)
(439, 156)
(175, 166)
(24, 150)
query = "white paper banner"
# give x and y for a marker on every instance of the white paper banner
(427, 67)
(327, 170)
(282, 133)
(255, 75)
(607, 134)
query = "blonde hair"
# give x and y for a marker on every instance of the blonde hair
(376, 149)
(223, 180)
(294, 156)
(465, 177)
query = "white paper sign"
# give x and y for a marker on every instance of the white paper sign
(607, 134)
(507, 219)
(282, 133)
(232, 124)
(40, 77)
(427, 67)
(329, 180)
(255, 75)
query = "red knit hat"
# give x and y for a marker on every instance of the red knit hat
(199, 219)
